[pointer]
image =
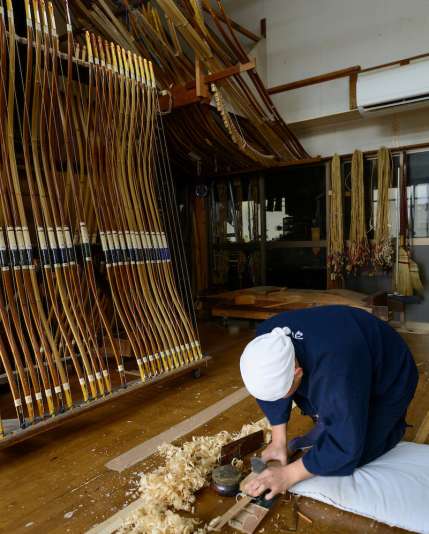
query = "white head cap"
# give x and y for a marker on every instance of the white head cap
(267, 365)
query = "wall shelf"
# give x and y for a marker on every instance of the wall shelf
(325, 121)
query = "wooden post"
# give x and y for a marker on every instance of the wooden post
(264, 28)
(211, 232)
(328, 214)
(352, 90)
(263, 243)
(201, 88)
(201, 245)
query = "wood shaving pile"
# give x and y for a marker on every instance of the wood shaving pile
(171, 487)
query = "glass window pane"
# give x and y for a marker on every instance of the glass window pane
(298, 268)
(296, 204)
(418, 193)
(393, 200)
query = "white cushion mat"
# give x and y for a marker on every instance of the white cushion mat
(393, 489)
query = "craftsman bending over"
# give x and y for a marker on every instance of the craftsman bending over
(351, 372)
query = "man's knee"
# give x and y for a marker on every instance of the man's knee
(383, 434)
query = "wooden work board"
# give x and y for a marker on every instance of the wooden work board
(263, 302)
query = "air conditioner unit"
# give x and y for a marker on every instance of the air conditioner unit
(394, 88)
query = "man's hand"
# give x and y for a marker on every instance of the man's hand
(277, 479)
(273, 478)
(275, 452)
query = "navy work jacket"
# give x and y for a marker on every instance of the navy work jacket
(359, 377)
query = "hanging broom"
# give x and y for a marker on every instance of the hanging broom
(402, 265)
(415, 278)
(407, 276)
(403, 284)
(416, 282)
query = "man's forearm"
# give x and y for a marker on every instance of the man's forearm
(296, 472)
(279, 435)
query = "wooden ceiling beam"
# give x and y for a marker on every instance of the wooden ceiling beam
(238, 27)
(198, 90)
(230, 71)
(180, 97)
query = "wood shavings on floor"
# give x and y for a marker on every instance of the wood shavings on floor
(171, 488)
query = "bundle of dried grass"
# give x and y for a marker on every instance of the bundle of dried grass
(383, 250)
(336, 256)
(171, 487)
(358, 253)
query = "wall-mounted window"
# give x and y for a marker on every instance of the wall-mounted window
(418, 193)
(293, 250)
(296, 204)
(417, 177)
(235, 227)
(235, 210)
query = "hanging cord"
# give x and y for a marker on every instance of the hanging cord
(358, 252)
(221, 256)
(256, 209)
(336, 258)
(239, 208)
(222, 210)
(383, 253)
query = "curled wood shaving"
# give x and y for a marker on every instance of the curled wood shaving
(170, 488)
(237, 463)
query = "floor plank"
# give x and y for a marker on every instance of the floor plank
(57, 482)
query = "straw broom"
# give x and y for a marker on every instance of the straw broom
(402, 272)
(402, 266)
(416, 281)
(407, 272)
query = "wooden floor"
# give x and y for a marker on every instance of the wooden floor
(57, 482)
